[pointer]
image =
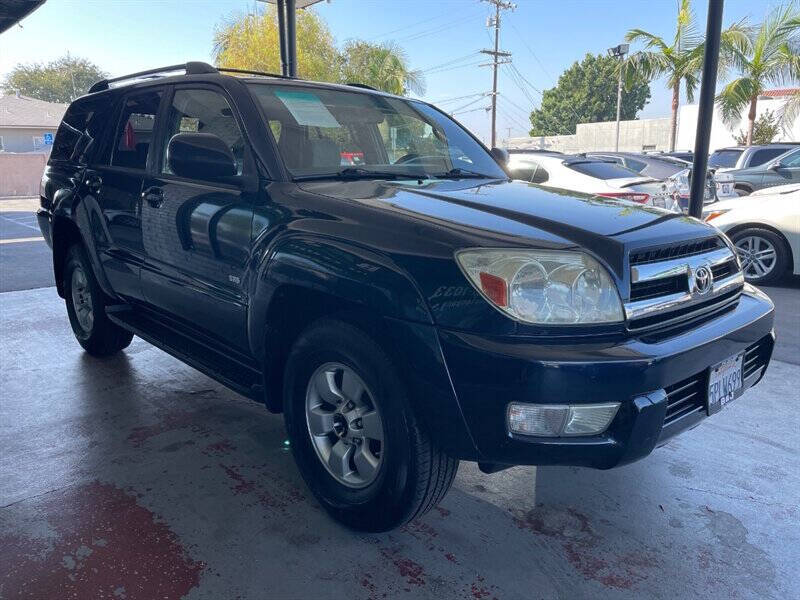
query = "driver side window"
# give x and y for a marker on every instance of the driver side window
(204, 111)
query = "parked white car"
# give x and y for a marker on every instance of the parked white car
(765, 228)
(592, 176)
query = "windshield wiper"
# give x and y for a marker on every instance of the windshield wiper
(361, 173)
(458, 173)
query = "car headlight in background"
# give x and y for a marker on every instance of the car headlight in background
(713, 214)
(544, 286)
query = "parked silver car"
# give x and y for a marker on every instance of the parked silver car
(744, 157)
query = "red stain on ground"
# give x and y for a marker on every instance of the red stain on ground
(221, 448)
(584, 548)
(406, 567)
(442, 511)
(281, 496)
(104, 545)
(420, 530)
(479, 590)
(449, 556)
(168, 421)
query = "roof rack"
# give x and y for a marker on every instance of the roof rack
(249, 72)
(190, 68)
(364, 86)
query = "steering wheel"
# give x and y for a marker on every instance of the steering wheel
(407, 158)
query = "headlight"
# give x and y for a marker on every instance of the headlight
(544, 286)
(712, 214)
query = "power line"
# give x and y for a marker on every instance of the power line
(446, 100)
(470, 103)
(525, 43)
(412, 25)
(450, 62)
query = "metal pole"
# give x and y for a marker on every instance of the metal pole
(619, 106)
(494, 69)
(291, 38)
(282, 36)
(705, 111)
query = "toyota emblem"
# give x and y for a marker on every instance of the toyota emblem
(703, 280)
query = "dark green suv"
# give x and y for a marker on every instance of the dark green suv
(779, 171)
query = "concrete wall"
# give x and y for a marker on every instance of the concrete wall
(18, 139)
(634, 136)
(20, 174)
(653, 134)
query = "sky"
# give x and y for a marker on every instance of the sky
(439, 37)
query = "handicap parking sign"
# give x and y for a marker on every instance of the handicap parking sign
(48, 139)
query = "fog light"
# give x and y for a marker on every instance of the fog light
(554, 420)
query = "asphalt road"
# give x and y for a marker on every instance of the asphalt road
(25, 263)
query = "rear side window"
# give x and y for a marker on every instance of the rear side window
(529, 171)
(636, 165)
(134, 137)
(602, 170)
(80, 132)
(724, 158)
(761, 156)
(204, 111)
(791, 160)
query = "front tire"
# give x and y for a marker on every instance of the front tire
(354, 434)
(86, 307)
(763, 254)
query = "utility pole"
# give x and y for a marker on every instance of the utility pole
(496, 54)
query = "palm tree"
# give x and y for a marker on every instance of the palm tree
(766, 56)
(383, 66)
(680, 61)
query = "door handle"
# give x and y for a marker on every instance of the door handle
(154, 196)
(94, 183)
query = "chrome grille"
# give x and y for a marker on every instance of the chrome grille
(664, 287)
(659, 253)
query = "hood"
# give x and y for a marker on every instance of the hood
(498, 213)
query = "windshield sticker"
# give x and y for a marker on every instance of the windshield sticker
(307, 109)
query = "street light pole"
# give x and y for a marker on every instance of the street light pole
(619, 52)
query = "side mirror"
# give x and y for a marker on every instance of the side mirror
(200, 156)
(500, 155)
(775, 166)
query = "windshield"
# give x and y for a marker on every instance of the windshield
(335, 133)
(724, 158)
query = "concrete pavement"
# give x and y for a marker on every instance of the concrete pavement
(138, 477)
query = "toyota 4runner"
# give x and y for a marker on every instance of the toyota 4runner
(404, 311)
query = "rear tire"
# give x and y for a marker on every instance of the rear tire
(409, 474)
(86, 307)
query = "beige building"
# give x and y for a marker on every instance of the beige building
(27, 124)
(653, 134)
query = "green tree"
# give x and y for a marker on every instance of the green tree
(251, 42)
(382, 66)
(767, 55)
(680, 59)
(61, 80)
(586, 93)
(767, 126)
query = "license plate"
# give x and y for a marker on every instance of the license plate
(725, 382)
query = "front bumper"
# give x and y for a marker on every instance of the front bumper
(488, 373)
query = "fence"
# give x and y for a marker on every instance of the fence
(20, 174)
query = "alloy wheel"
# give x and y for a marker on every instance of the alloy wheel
(757, 255)
(82, 299)
(345, 425)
